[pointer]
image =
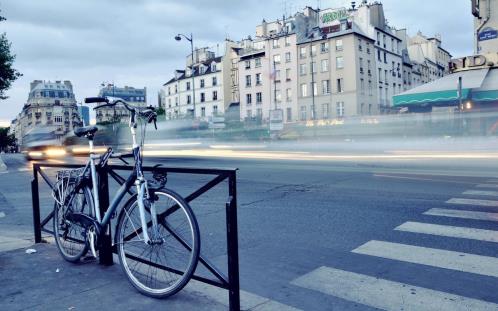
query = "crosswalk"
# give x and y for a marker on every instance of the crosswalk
(386, 294)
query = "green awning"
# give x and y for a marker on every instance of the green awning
(443, 91)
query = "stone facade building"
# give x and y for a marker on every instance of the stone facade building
(485, 14)
(50, 104)
(133, 96)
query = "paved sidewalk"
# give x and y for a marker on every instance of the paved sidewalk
(3, 167)
(44, 281)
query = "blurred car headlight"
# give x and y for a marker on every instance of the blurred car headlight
(35, 153)
(55, 152)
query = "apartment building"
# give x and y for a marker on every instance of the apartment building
(206, 88)
(50, 104)
(135, 97)
(485, 14)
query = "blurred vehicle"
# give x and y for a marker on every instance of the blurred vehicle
(41, 143)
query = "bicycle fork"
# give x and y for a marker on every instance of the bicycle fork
(143, 194)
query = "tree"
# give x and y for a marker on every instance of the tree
(7, 73)
(6, 140)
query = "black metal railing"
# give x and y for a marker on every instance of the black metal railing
(230, 282)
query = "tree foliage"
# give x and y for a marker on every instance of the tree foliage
(7, 73)
(6, 140)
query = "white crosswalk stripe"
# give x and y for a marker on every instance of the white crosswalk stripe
(481, 192)
(450, 231)
(385, 294)
(489, 203)
(439, 258)
(487, 186)
(462, 214)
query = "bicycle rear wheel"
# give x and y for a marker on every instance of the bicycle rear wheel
(163, 268)
(70, 237)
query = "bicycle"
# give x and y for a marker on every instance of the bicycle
(157, 235)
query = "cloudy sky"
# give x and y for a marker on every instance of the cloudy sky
(130, 42)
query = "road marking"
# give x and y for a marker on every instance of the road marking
(248, 301)
(385, 294)
(473, 202)
(479, 192)
(433, 257)
(487, 186)
(450, 231)
(462, 214)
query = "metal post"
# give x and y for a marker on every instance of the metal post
(460, 104)
(105, 251)
(36, 205)
(232, 245)
(193, 80)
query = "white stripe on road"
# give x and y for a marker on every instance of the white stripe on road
(450, 231)
(479, 192)
(487, 186)
(433, 257)
(385, 294)
(473, 202)
(248, 301)
(462, 214)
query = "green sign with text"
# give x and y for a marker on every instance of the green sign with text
(338, 15)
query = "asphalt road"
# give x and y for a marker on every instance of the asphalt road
(348, 234)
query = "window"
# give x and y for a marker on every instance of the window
(324, 64)
(176, 88)
(302, 69)
(248, 99)
(325, 111)
(315, 88)
(289, 114)
(258, 79)
(325, 87)
(215, 110)
(369, 108)
(248, 64)
(368, 48)
(362, 86)
(189, 99)
(203, 97)
(176, 101)
(248, 81)
(385, 57)
(361, 65)
(385, 75)
(288, 95)
(58, 119)
(202, 69)
(287, 74)
(276, 59)
(340, 109)
(215, 81)
(304, 90)
(257, 62)
(378, 38)
(360, 47)
(188, 86)
(259, 98)
(380, 75)
(313, 67)
(378, 56)
(384, 41)
(287, 41)
(169, 90)
(213, 67)
(324, 47)
(370, 87)
(392, 45)
(340, 85)
(276, 43)
(215, 95)
(339, 62)
(302, 52)
(313, 50)
(303, 113)
(287, 57)
(278, 96)
(338, 45)
(202, 83)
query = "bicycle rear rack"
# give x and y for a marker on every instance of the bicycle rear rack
(230, 282)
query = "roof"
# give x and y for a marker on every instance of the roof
(206, 63)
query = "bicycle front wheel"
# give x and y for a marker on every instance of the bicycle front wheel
(162, 268)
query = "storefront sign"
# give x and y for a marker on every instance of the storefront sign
(488, 34)
(474, 61)
(333, 17)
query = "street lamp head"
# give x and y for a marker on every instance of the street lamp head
(178, 38)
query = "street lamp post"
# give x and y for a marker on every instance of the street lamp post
(178, 37)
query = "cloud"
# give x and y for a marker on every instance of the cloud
(130, 42)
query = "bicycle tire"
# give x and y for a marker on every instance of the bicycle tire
(64, 244)
(128, 256)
